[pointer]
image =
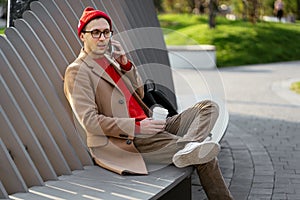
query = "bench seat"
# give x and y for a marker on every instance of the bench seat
(96, 183)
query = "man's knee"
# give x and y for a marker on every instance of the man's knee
(208, 104)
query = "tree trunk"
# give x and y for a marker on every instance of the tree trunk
(253, 11)
(245, 10)
(298, 11)
(213, 9)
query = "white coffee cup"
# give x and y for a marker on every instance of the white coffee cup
(159, 113)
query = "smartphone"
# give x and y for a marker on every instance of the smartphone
(111, 49)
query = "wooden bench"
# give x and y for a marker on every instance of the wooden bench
(42, 149)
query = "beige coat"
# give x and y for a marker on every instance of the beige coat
(100, 107)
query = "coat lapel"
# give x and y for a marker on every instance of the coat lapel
(98, 70)
(102, 74)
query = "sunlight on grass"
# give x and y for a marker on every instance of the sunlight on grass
(295, 87)
(2, 31)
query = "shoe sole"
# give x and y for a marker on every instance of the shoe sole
(199, 155)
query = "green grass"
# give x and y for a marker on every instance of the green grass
(295, 87)
(2, 31)
(237, 42)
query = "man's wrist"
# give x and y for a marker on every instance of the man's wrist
(127, 66)
(137, 127)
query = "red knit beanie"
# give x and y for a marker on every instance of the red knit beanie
(88, 14)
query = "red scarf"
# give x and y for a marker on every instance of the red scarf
(134, 108)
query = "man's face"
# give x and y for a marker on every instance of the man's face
(96, 47)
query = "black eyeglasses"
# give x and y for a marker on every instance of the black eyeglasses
(96, 34)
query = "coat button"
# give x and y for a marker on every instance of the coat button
(121, 101)
(128, 142)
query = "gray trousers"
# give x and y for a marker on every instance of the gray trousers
(193, 124)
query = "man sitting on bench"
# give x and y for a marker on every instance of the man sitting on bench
(105, 92)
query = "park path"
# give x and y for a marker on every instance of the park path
(260, 156)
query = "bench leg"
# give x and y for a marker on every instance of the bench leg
(182, 190)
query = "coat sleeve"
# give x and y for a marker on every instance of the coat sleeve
(80, 92)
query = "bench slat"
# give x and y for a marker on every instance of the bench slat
(77, 7)
(25, 133)
(49, 43)
(41, 104)
(9, 174)
(60, 38)
(18, 153)
(3, 193)
(61, 113)
(34, 118)
(42, 55)
(71, 18)
(48, 64)
(87, 3)
(51, 9)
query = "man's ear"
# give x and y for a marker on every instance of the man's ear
(82, 36)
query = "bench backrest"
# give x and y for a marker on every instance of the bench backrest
(40, 139)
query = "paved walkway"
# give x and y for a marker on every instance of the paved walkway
(260, 156)
(2, 23)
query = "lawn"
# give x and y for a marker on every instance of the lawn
(295, 87)
(237, 42)
(2, 31)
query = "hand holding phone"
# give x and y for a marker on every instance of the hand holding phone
(118, 52)
(112, 49)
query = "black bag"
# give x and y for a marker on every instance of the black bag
(156, 97)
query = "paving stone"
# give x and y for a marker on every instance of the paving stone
(263, 172)
(278, 189)
(259, 196)
(293, 196)
(198, 193)
(279, 196)
(239, 195)
(263, 191)
(263, 179)
(263, 185)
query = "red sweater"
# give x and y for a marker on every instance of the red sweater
(134, 108)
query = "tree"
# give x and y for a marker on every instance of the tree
(298, 11)
(213, 10)
(253, 11)
(199, 6)
(158, 5)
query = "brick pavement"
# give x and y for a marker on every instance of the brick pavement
(261, 149)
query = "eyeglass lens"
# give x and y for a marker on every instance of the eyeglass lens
(97, 33)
